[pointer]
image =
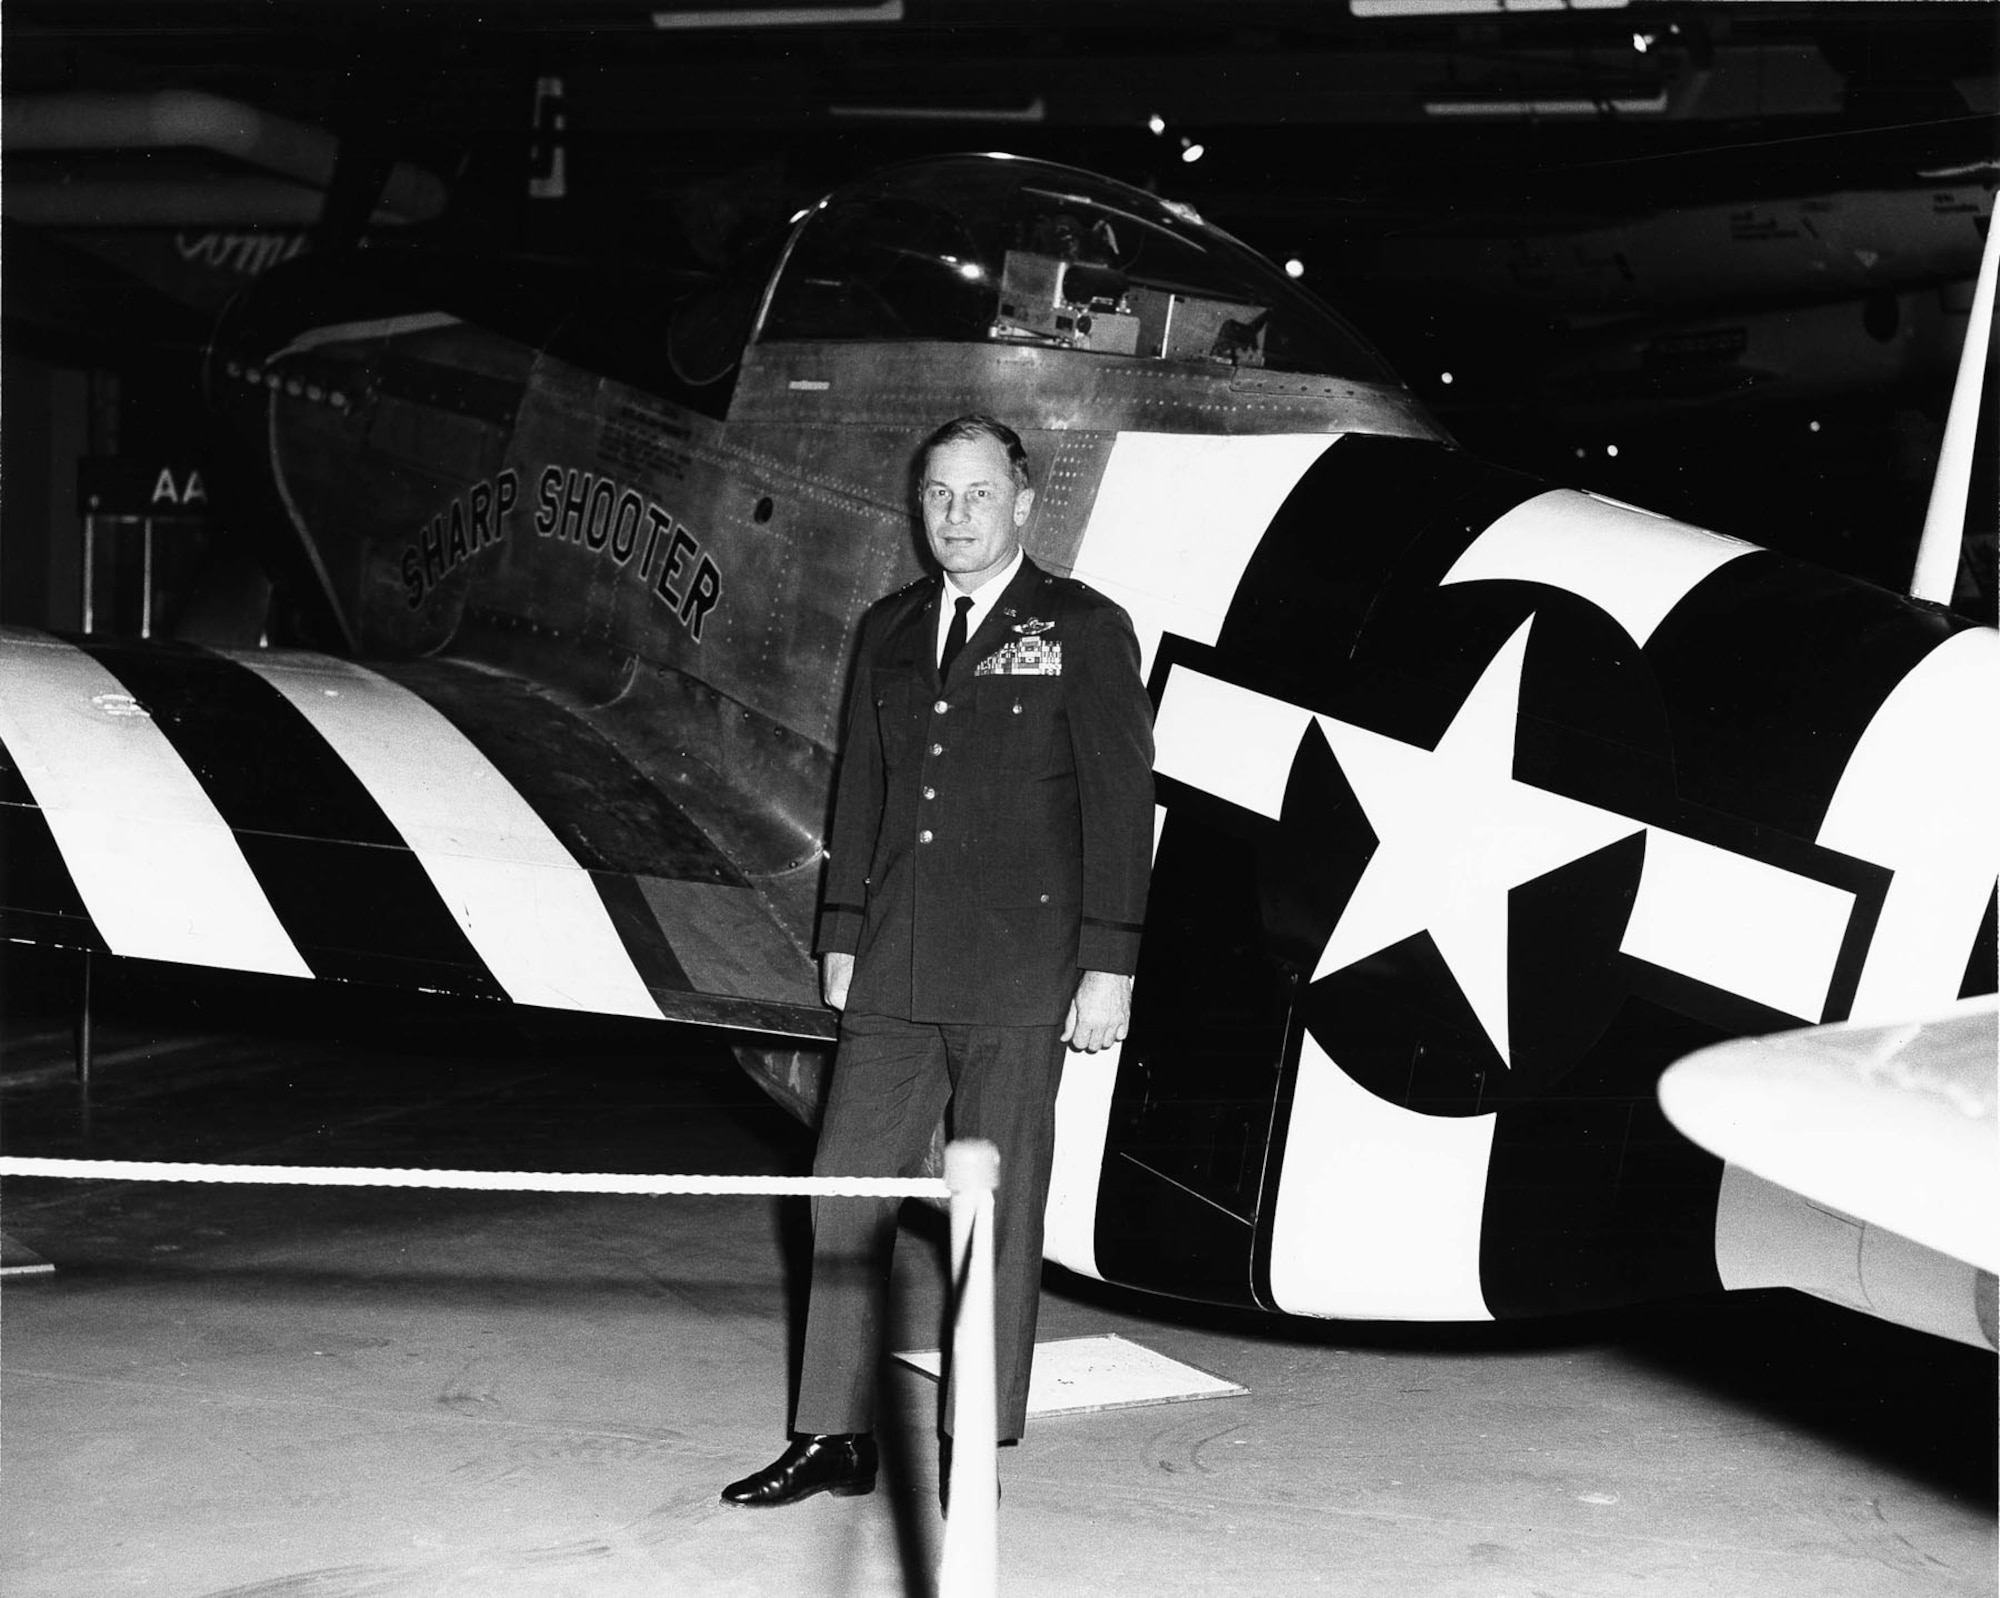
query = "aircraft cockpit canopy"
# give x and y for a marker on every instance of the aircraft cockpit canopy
(995, 250)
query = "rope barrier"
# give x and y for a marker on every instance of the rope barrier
(928, 1187)
(968, 1567)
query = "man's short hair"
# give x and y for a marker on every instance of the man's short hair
(964, 429)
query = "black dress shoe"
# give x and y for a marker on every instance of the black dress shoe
(842, 1464)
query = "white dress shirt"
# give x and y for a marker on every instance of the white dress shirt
(982, 598)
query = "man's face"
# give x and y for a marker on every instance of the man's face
(973, 512)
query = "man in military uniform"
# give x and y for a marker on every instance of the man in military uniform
(991, 840)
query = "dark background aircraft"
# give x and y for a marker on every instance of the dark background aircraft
(1713, 259)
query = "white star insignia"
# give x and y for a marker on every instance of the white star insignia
(1456, 832)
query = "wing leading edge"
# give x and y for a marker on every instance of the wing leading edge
(1863, 1166)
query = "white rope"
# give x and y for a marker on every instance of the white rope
(477, 1181)
(970, 1563)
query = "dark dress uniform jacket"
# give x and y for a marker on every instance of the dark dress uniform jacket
(992, 833)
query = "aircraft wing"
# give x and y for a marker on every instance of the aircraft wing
(1863, 1163)
(432, 824)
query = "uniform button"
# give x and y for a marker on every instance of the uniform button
(1045, 898)
(930, 793)
(1017, 708)
(924, 836)
(941, 706)
(937, 749)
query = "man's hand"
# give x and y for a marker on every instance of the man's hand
(1099, 1013)
(836, 971)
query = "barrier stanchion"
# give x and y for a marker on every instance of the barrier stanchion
(970, 1565)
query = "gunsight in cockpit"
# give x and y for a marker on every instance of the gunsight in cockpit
(1069, 284)
(989, 249)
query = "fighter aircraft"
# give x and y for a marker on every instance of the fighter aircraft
(1480, 800)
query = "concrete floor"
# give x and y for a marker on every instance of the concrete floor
(330, 1393)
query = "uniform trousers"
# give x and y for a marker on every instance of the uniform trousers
(891, 1082)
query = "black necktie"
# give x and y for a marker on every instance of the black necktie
(954, 636)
